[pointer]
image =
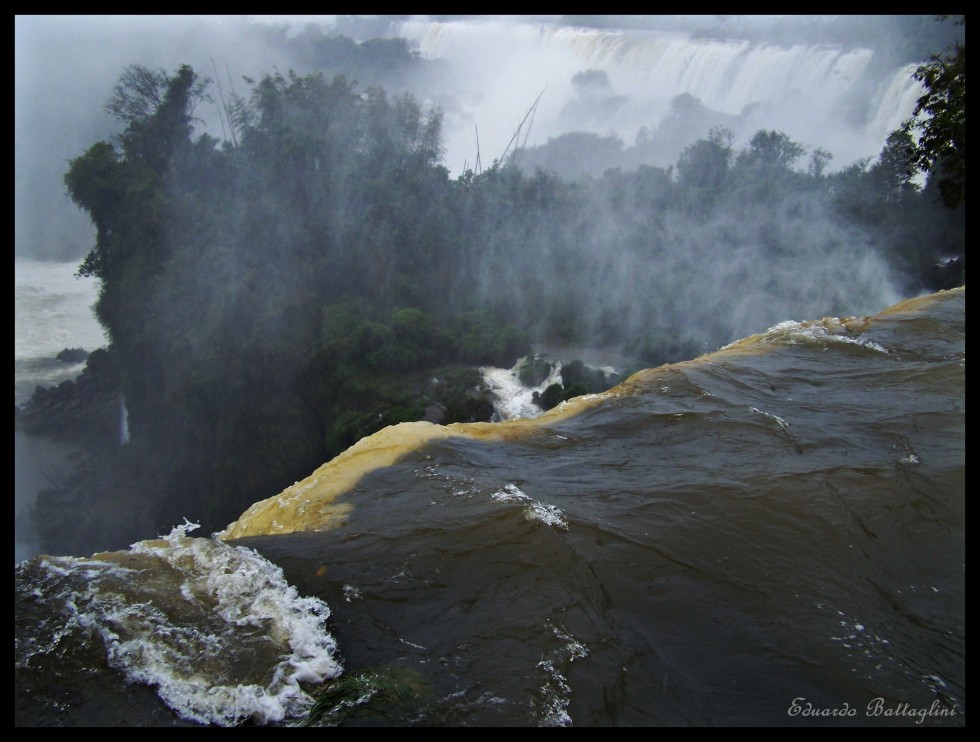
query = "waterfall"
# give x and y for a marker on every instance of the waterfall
(123, 422)
(820, 95)
(895, 101)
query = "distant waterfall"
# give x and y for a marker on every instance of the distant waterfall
(123, 422)
(820, 95)
(895, 101)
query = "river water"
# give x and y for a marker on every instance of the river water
(771, 534)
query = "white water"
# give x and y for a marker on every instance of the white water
(52, 311)
(123, 422)
(534, 510)
(513, 399)
(215, 629)
(821, 96)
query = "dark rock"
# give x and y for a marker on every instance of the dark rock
(550, 397)
(534, 370)
(460, 392)
(435, 413)
(73, 355)
(85, 410)
(475, 409)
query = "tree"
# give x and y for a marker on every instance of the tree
(771, 150)
(703, 165)
(157, 109)
(126, 192)
(95, 183)
(893, 174)
(819, 158)
(940, 119)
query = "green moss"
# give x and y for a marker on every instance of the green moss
(533, 371)
(388, 696)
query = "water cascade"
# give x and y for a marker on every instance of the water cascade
(123, 422)
(514, 399)
(820, 95)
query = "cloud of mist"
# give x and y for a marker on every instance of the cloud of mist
(64, 70)
(609, 81)
(833, 97)
(491, 71)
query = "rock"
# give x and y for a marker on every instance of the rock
(72, 355)
(534, 370)
(551, 397)
(85, 410)
(435, 413)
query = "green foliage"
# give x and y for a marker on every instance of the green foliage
(370, 374)
(764, 170)
(157, 109)
(893, 173)
(819, 158)
(341, 55)
(574, 155)
(479, 335)
(771, 150)
(703, 166)
(940, 119)
(96, 183)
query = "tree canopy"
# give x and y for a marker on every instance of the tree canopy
(940, 120)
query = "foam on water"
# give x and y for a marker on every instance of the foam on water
(214, 628)
(551, 705)
(547, 514)
(815, 332)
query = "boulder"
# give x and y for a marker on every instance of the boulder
(434, 413)
(534, 370)
(72, 355)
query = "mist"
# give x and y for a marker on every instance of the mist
(65, 70)
(287, 277)
(844, 89)
(825, 96)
